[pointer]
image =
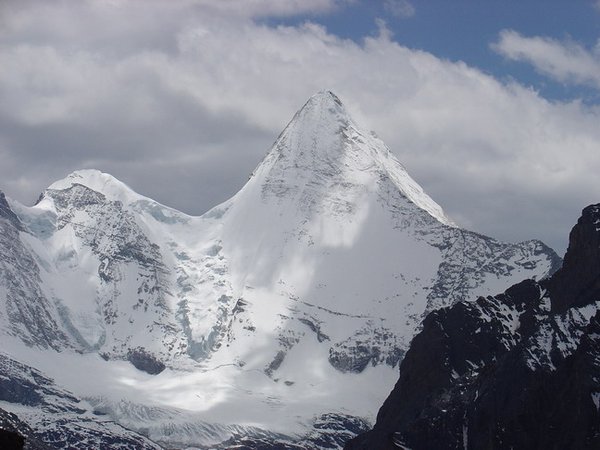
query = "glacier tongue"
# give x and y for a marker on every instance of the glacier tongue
(267, 311)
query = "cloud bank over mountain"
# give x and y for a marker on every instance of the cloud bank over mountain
(182, 99)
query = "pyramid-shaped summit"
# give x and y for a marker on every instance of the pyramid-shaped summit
(330, 194)
(323, 163)
(321, 266)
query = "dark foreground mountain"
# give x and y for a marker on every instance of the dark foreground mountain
(520, 370)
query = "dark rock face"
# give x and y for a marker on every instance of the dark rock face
(16, 432)
(329, 431)
(8, 214)
(10, 440)
(578, 281)
(15, 390)
(276, 363)
(519, 370)
(144, 361)
(372, 346)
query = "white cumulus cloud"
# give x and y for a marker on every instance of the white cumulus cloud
(564, 61)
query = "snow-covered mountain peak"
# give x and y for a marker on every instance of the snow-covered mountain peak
(87, 186)
(324, 157)
(320, 104)
(98, 181)
(316, 130)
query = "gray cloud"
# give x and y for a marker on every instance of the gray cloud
(182, 99)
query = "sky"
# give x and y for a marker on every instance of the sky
(492, 106)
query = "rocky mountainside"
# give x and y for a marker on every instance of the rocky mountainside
(48, 417)
(519, 370)
(292, 301)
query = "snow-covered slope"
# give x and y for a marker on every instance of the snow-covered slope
(294, 299)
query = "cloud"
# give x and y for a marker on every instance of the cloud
(564, 61)
(270, 8)
(399, 8)
(181, 101)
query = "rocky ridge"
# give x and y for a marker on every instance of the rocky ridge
(519, 370)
